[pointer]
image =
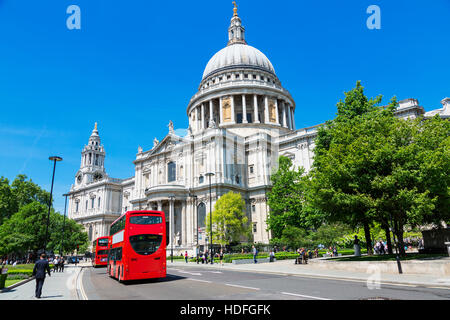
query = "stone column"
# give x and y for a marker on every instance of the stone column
(266, 109)
(183, 223)
(255, 108)
(293, 118)
(171, 222)
(244, 110)
(233, 115)
(196, 119)
(283, 108)
(220, 111)
(211, 113)
(277, 117)
(288, 108)
(203, 117)
(159, 205)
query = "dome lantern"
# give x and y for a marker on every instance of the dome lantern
(236, 32)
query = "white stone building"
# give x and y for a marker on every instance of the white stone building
(240, 120)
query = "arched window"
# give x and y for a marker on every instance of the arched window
(201, 215)
(98, 204)
(171, 171)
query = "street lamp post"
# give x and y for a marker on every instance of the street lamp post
(210, 174)
(64, 223)
(54, 159)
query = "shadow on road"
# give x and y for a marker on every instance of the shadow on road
(168, 278)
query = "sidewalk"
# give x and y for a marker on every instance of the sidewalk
(60, 286)
(287, 267)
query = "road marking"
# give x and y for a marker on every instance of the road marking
(215, 271)
(304, 296)
(198, 280)
(239, 286)
(80, 284)
(191, 273)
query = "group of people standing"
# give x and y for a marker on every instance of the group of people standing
(58, 264)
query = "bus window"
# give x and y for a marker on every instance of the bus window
(145, 243)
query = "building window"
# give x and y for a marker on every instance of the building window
(254, 227)
(228, 77)
(253, 208)
(201, 179)
(254, 76)
(86, 204)
(92, 203)
(251, 169)
(125, 209)
(98, 202)
(237, 179)
(236, 76)
(171, 172)
(76, 206)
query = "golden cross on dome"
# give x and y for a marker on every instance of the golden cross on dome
(235, 8)
(95, 126)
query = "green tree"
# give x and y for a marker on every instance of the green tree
(8, 201)
(229, 220)
(343, 169)
(286, 199)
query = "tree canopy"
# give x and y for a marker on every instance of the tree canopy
(23, 220)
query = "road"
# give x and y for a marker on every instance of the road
(191, 283)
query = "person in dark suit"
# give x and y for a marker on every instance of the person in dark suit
(40, 267)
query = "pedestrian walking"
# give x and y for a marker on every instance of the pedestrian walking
(221, 257)
(39, 270)
(255, 253)
(186, 256)
(61, 264)
(271, 256)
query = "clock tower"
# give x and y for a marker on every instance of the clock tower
(92, 167)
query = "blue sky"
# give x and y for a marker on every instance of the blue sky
(134, 65)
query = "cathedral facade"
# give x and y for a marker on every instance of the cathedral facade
(240, 121)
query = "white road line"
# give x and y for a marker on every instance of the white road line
(198, 280)
(80, 284)
(236, 285)
(304, 296)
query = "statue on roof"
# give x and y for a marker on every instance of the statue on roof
(171, 127)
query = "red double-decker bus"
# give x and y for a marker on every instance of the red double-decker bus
(137, 246)
(100, 251)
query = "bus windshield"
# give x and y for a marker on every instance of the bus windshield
(145, 243)
(145, 219)
(103, 242)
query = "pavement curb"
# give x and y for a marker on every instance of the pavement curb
(17, 284)
(332, 277)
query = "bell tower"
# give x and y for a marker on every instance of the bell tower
(92, 166)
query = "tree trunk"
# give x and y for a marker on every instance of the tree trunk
(400, 243)
(388, 238)
(368, 238)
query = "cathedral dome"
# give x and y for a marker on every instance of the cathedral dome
(238, 55)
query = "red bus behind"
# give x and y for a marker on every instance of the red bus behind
(100, 251)
(137, 246)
